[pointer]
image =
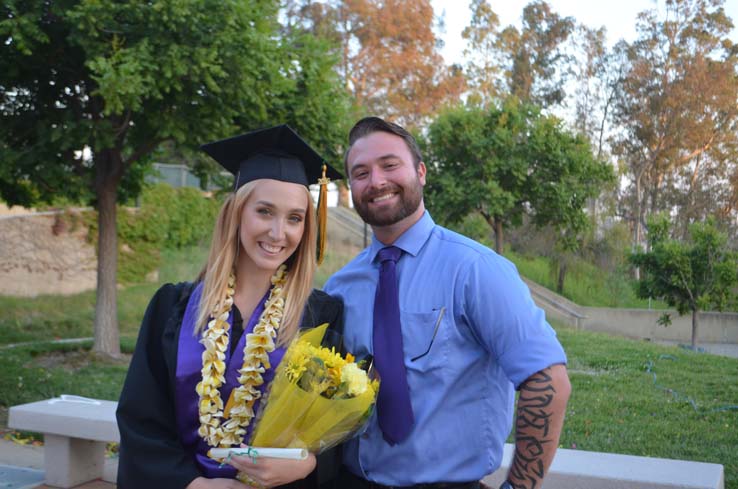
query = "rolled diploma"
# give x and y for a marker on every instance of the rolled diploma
(290, 453)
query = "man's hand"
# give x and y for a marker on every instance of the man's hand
(538, 422)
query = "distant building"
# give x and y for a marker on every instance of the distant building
(175, 175)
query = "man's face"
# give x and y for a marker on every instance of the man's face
(385, 186)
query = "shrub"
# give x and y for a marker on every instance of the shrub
(168, 218)
(192, 220)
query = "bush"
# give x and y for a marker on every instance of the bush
(168, 218)
(139, 242)
(192, 222)
(475, 227)
(187, 217)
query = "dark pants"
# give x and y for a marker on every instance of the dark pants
(347, 480)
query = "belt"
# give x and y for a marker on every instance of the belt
(348, 480)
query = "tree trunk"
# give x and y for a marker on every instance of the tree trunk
(656, 193)
(561, 276)
(690, 212)
(106, 308)
(592, 205)
(496, 225)
(637, 226)
(498, 236)
(695, 325)
(343, 194)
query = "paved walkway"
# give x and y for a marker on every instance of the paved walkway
(88, 485)
(63, 341)
(21, 467)
(722, 349)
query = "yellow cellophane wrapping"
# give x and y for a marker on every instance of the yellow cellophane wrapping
(295, 418)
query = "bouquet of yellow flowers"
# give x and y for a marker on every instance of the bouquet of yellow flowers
(317, 398)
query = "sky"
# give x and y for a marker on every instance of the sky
(619, 17)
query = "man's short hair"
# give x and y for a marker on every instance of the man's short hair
(369, 125)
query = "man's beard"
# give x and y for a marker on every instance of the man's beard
(410, 198)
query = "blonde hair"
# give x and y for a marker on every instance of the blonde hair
(224, 252)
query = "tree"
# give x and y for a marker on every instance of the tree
(536, 54)
(314, 103)
(596, 72)
(389, 55)
(116, 80)
(692, 276)
(564, 176)
(676, 114)
(532, 59)
(484, 70)
(474, 165)
(507, 162)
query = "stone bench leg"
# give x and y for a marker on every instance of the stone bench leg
(70, 462)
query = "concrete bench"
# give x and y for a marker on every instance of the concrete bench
(574, 469)
(76, 431)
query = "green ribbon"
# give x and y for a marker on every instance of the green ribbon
(248, 451)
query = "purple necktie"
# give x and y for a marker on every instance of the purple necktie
(394, 411)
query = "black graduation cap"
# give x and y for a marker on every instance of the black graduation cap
(277, 153)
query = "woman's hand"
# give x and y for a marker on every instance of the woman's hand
(272, 472)
(203, 483)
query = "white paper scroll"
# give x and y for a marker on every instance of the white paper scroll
(290, 453)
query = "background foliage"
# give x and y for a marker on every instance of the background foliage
(168, 219)
(92, 92)
(88, 91)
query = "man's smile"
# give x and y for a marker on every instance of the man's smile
(382, 197)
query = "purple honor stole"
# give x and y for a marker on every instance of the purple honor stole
(189, 366)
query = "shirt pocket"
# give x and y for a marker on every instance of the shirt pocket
(424, 339)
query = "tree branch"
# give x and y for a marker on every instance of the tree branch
(142, 151)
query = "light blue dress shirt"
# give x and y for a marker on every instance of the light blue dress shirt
(490, 338)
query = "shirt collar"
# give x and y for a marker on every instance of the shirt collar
(411, 241)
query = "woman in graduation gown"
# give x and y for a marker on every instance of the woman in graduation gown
(205, 353)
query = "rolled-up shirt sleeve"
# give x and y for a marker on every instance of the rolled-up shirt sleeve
(500, 311)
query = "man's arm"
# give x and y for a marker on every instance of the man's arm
(540, 417)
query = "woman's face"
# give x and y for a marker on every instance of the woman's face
(272, 223)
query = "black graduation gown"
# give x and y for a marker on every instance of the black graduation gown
(151, 455)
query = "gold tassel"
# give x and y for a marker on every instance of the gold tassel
(322, 214)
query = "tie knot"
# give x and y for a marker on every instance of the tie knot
(390, 253)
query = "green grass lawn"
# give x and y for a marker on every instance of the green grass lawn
(639, 398)
(689, 412)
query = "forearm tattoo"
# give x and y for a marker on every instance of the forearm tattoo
(531, 429)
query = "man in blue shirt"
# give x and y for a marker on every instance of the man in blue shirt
(470, 333)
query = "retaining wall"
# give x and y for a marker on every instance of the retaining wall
(42, 253)
(714, 327)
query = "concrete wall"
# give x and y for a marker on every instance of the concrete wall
(41, 253)
(636, 323)
(642, 324)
